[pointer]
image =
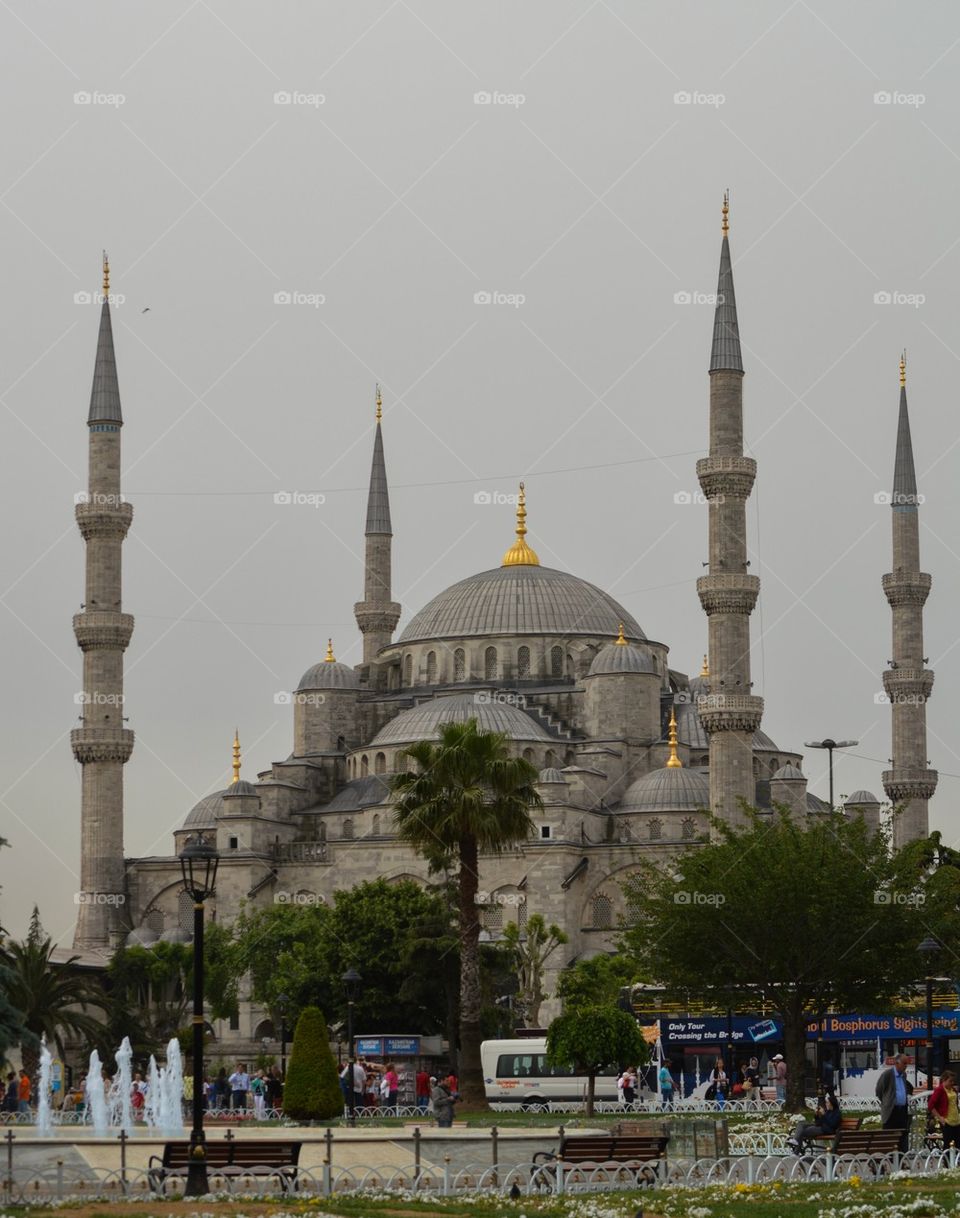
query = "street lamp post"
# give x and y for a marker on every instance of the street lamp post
(282, 1001)
(830, 745)
(198, 863)
(351, 983)
(929, 950)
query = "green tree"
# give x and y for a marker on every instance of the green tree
(150, 994)
(312, 1088)
(588, 1038)
(11, 1021)
(807, 917)
(467, 796)
(52, 999)
(531, 948)
(597, 981)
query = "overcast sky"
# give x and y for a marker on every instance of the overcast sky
(228, 153)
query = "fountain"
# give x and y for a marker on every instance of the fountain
(44, 1111)
(119, 1104)
(96, 1096)
(171, 1092)
(151, 1103)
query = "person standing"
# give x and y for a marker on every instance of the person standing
(942, 1105)
(665, 1078)
(780, 1077)
(392, 1081)
(443, 1102)
(258, 1087)
(240, 1085)
(893, 1091)
(422, 1088)
(720, 1083)
(751, 1083)
(24, 1092)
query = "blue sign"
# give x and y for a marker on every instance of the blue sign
(369, 1046)
(401, 1046)
(886, 1027)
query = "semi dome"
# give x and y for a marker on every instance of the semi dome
(622, 657)
(520, 600)
(859, 798)
(551, 774)
(329, 674)
(204, 814)
(240, 787)
(789, 773)
(423, 722)
(668, 790)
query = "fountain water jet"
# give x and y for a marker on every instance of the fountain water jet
(171, 1092)
(96, 1096)
(119, 1100)
(44, 1111)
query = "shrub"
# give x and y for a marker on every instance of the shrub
(312, 1089)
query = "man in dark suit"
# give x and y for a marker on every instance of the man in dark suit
(893, 1091)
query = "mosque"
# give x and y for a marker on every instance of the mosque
(631, 752)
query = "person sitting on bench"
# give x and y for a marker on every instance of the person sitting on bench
(826, 1121)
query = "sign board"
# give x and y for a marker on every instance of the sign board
(369, 1046)
(401, 1046)
(746, 1030)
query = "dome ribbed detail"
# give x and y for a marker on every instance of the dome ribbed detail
(667, 790)
(423, 722)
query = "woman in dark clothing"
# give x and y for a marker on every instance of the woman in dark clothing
(826, 1121)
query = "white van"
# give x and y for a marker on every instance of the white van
(516, 1073)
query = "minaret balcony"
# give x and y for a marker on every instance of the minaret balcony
(726, 477)
(730, 712)
(908, 686)
(379, 618)
(103, 631)
(101, 744)
(906, 588)
(728, 593)
(904, 784)
(104, 516)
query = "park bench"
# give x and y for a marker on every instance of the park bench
(624, 1150)
(230, 1157)
(847, 1125)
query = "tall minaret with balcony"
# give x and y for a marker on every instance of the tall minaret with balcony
(102, 745)
(729, 711)
(377, 615)
(910, 784)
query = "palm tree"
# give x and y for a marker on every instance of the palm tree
(467, 795)
(52, 999)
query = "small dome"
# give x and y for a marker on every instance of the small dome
(789, 773)
(176, 935)
(551, 774)
(672, 789)
(622, 657)
(143, 936)
(492, 714)
(861, 798)
(329, 674)
(240, 787)
(359, 793)
(204, 814)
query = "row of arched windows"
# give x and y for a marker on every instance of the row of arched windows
(560, 664)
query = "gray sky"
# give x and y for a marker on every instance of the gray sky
(584, 187)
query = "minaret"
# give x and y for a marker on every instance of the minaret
(377, 615)
(102, 745)
(910, 784)
(729, 711)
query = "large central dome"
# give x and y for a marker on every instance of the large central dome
(521, 600)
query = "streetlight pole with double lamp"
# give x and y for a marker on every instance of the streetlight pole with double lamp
(198, 864)
(830, 745)
(351, 983)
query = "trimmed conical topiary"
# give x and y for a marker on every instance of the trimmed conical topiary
(312, 1090)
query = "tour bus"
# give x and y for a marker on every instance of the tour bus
(516, 1074)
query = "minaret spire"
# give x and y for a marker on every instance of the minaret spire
(102, 744)
(236, 756)
(377, 615)
(729, 711)
(520, 554)
(673, 761)
(908, 682)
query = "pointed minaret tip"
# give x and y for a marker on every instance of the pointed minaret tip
(904, 470)
(673, 761)
(106, 275)
(105, 411)
(725, 353)
(236, 756)
(379, 405)
(903, 367)
(330, 658)
(725, 212)
(520, 554)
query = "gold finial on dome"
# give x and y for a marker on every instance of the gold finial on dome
(236, 755)
(673, 761)
(725, 226)
(520, 554)
(903, 368)
(621, 639)
(705, 668)
(379, 404)
(106, 274)
(329, 658)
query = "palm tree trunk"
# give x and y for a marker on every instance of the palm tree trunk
(472, 1089)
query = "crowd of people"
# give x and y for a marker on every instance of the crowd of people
(16, 1092)
(379, 1086)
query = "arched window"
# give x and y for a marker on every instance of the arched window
(569, 664)
(364, 766)
(522, 913)
(625, 831)
(185, 911)
(556, 661)
(655, 829)
(493, 917)
(756, 767)
(375, 830)
(490, 664)
(570, 757)
(265, 1030)
(408, 669)
(602, 912)
(549, 760)
(323, 831)
(688, 828)
(347, 830)
(380, 763)
(459, 664)
(431, 667)
(528, 755)
(523, 662)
